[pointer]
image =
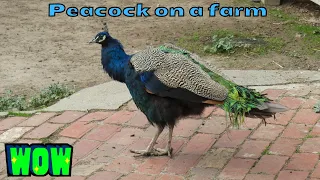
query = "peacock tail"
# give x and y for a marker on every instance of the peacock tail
(240, 100)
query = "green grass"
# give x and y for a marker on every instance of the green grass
(229, 42)
(279, 15)
(19, 114)
(44, 98)
(266, 151)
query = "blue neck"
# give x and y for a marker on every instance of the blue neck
(114, 60)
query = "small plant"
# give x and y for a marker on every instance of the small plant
(47, 96)
(9, 101)
(50, 95)
(266, 151)
(316, 108)
(220, 45)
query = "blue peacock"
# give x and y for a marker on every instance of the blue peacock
(168, 83)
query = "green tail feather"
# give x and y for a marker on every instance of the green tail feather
(240, 100)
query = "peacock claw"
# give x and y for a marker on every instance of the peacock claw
(154, 152)
(162, 152)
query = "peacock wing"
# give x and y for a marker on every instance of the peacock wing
(174, 75)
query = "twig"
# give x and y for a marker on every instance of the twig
(247, 56)
(277, 64)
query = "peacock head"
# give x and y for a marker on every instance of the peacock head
(101, 37)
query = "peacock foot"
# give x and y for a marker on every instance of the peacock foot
(163, 152)
(153, 152)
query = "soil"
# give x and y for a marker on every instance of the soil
(37, 50)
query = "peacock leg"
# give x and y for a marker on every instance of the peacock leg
(168, 150)
(150, 150)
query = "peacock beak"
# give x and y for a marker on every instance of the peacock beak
(94, 40)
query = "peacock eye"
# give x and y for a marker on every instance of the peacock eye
(102, 38)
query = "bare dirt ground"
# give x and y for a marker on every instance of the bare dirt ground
(37, 50)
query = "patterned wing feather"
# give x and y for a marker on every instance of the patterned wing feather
(176, 71)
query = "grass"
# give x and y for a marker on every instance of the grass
(310, 35)
(229, 42)
(46, 97)
(20, 114)
(207, 42)
(266, 151)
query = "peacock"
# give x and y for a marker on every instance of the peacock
(168, 83)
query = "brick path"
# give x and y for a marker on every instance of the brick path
(204, 147)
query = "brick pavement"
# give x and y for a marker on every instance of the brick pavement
(205, 147)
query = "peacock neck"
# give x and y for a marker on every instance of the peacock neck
(114, 60)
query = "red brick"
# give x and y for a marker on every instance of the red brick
(96, 116)
(135, 176)
(316, 172)
(186, 127)
(139, 120)
(182, 163)
(43, 131)
(309, 104)
(77, 129)
(105, 174)
(303, 161)
(252, 149)
(111, 150)
(283, 146)
(37, 178)
(153, 165)
(28, 141)
(70, 178)
(120, 117)
(259, 177)
(274, 93)
(214, 126)
(282, 118)
(84, 147)
(292, 175)
(102, 132)
(126, 136)
(291, 102)
(296, 131)
(10, 122)
(232, 138)
(236, 169)
(36, 120)
(123, 164)
(268, 132)
(218, 112)
(216, 158)
(203, 173)
(138, 144)
(176, 144)
(169, 177)
(311, 145)
(269, 164)
(65, 140)
(306, 116)
(199, 144)
(250, 123)
(142, 144)
(67, 117)
(151, 130)
(316, 130)
(207, 111)
(299, 92)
